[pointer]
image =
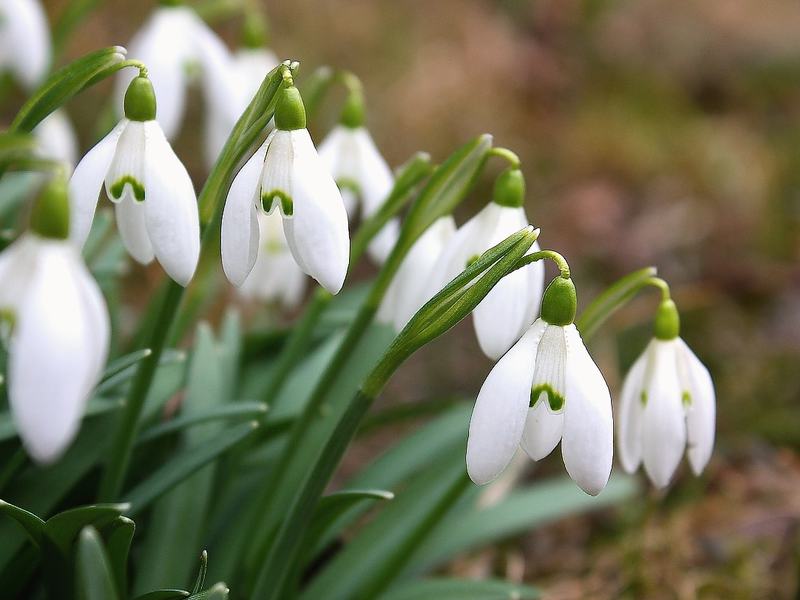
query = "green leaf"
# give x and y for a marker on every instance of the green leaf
(442, 588)
(64, 84)
(123, 362)
(200, 580)
(33, 525)
(171, 360)
(219, 591)
(332, 508)
(378, 554)
(15, 146)
(184, 464)
(94, 579)
(62, 528)
(612, 299)
(118, 536)
(520, 512)
(234, 411)
(163, 595)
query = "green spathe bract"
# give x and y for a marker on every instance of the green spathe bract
(50, 214)
(140, 100)
(559, 302)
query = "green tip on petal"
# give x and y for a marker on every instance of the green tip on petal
(269, 199)
(140, 100)
(560, 302)
(555, 399)
(290, 113)
(50, 214)
(509, 188)
(667, 325)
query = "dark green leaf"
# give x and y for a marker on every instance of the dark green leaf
(118, 536)
(200, 580)
(163, 595)
(219, 591)
(32, 524)
(330, 510)
(64, 527)
(234, 411)
(123, 362)
(94, 579)
(461, 589)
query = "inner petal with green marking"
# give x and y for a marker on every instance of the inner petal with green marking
(549, 369)
(277, 198)
(544, 390)
(117, 189)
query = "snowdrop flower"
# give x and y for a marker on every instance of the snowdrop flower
(59, 329)
(545, 389)
(509, 309)
(361, 173)
(410, 288)
(155, 203)
(176, 45)
(667, 403)
(286, 174)
(56, 138)
(24, 41)
(275, 276)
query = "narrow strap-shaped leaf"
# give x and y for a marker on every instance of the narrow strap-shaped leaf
(163, 595)
(33, 525)
(93, 578)
(325, 523)
(119, 536)
(64, 527)
(444, 588)
(236, 410)
(200, 580)
(219, 591)
(184, 464)
(123, 362)
(168, 357)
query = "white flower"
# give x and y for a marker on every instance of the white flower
(350, 155)
(24, 41)
(156, 206)
(667, 401)
(545, 389)
(509, 309)
(410, 288)
(293, 180)
(275, 275)
(56, 138)
(59, 340)
(247, 70)
(176, 45)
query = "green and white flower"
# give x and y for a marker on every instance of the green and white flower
(155, 202)
(287, 174)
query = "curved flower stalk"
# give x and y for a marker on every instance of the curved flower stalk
(545, 390)
(510, 308)
(286, 174)
(155, 202)
(25, 48)
(59, 329)
(275, 276)
(667, 404)
(177, 47)
(56, 138)
(410, 287)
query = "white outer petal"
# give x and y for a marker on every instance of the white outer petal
(171, 215)
(499, 415)
(629, 423)
(51, 366)
(240, 230)
(587, 445)
(56, 138)
(86, 182)
(663, 422)
(701, 413)
(26, 41)
(317, 232)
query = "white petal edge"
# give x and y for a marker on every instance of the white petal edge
(701, 413)
(629, 421)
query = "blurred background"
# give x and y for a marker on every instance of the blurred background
(651, 133)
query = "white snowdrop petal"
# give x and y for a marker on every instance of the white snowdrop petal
(629, 424)
(132, 229)
(373, 175)
(171, 214)
(499, 415)
(663, 419)
(317, 232)
(384, 241)
(126, 173)
(56, 138)
(701, 409)
(240, 229)
(98, 331)
(49, 374)
(17, 262)
(86, 182)
(25, 41)
(587, 446)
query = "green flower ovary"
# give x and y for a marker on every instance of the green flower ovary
(268, 202)
(119, 187)
(555, 399)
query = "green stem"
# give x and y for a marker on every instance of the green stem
(561, 262)
(659, 283)
(509, 156)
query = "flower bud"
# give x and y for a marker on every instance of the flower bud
(140, 100)
(559, 302)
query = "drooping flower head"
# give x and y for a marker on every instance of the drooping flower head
(178, 47)
(545, 390)
(25, 48)
(510, 308)
(667, 406)
(59, 328)
(286, 174)
(155, 203)
(362, 174)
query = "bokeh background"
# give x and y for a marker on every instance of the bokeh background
(652, 132)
